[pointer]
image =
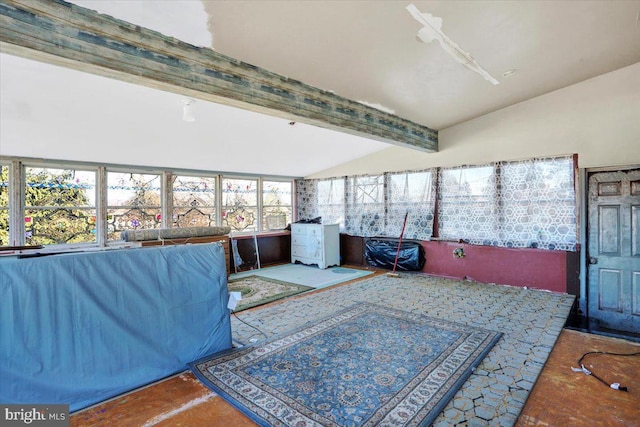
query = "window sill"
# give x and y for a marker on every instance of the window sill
(249, 235)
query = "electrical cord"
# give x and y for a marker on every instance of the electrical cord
(251, 326)
(615, 386)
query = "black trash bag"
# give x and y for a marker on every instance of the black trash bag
(382, 254)
(316, 220)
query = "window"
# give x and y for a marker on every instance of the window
(537, 203)
(411, 194)
(365, 213)
(240, 204)
(133, 202)
(64, 204)
(373, 205)
(4, 205)
(60, 206)
(467, 204)
(194, 201)
(527, 203)
(276, 204)
(322, 198)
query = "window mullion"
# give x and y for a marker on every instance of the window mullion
(260, 203)
(101, 206)
(219, 200)
(17, 185)
(166, 200)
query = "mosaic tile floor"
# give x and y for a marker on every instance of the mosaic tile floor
(495, 393)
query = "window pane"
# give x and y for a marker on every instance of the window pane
(538, 204)
(412, 193)
(527, 203)
(133, 202)
(240, 204)
(365, 206)
(276, 204)
(330, 201)
(60, 206)
(4, 205)
(467, 208)
(194, 201)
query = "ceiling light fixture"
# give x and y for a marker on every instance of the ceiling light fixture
(187, 110)
(509, 73)
(432, 31)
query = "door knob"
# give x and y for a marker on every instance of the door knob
(593, 260)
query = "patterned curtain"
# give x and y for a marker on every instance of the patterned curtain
(467, 205)
(372, 205)
(321, 198)
(538, 206)
(518, 204)
(365, 213)
(412, 193)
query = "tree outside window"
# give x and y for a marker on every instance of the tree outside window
(60, 206)
(4, 205)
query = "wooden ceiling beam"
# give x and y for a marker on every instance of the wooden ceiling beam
(65, 34)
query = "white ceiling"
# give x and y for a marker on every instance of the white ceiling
(362, 50)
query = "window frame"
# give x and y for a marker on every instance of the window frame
(21, 176)
(290, 206)
(17, 186)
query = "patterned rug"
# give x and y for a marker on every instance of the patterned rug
(367, 365)
(260, 290)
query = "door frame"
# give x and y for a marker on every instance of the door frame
(583, 180)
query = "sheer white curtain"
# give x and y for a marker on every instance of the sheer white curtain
(413, 193)
(372, 205)
(529, 203)
(322, 198)
(365, 213)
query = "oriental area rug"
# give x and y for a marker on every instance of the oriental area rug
(257, 290)
(367, 365)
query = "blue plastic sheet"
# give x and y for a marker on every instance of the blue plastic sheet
(80, 328)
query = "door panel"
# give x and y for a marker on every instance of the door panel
(609, 229)
(610, 290)
(614, 249)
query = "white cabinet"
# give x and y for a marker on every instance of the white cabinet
(315, 244)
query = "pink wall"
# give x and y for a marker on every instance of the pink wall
(534, 268)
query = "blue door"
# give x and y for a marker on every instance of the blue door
(614, 250)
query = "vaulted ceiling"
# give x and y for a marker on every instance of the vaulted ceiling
(362, 50)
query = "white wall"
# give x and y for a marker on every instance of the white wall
(598, 118)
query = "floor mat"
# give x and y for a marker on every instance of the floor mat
(257, 290)
(368, 365)
(306, 275)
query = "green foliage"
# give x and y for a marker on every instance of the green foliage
(4, 204)
(50, 217)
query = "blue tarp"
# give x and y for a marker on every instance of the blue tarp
(80, 328)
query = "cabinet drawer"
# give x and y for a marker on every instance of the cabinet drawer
(298, 229)
(298, 240)
(306, 251)
(298, 250)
